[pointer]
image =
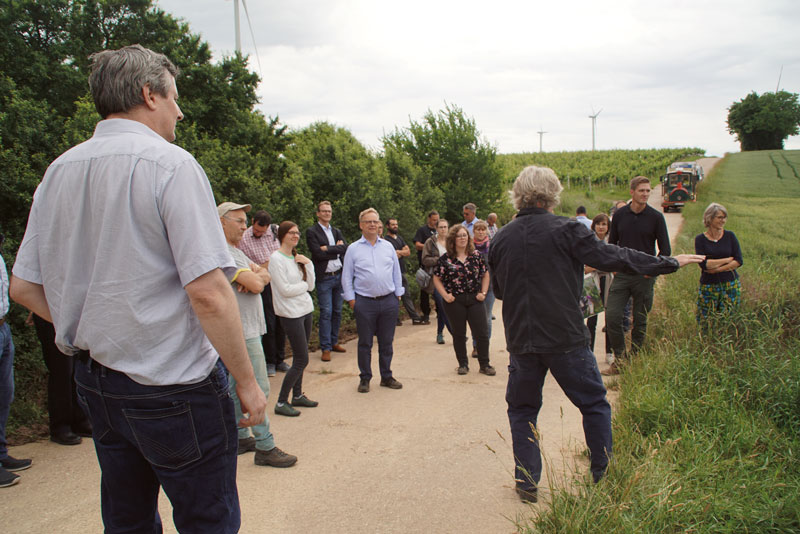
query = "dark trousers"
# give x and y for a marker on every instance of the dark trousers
(624, 287)
(424, 303)
(298, 330)
(181, 438)
(62, 400)
(591, 322)
(274, 341)
(467, 309)
(577, 374)
(408, 302)
(441, 316)
(375, 317)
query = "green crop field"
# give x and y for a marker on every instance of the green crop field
(609, 167)
(707, 429)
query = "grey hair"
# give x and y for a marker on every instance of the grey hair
(711, 212)
(471, 207)
(536, 185)
(118, 76)
(368, 210)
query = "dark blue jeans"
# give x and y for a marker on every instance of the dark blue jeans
(181, 438)
(577, 374)
(6, 383)
(376, 317)
(329, 297)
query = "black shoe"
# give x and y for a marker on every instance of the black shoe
(84, 430)
(391, 383)
(246, 445)
(528, 496)
(399, 322)
(474, 353)
(12, 464)
(7, 479)
(67, 437)
(488, 370)
(417, 322)
(463, 369)
(363, 386)
(282, 367)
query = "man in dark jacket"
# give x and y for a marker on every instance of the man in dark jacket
(327, 247)
(537, 264)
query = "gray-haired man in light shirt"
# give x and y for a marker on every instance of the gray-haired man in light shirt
(249, 281)
(125, 255)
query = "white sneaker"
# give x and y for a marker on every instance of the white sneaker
(609, 358)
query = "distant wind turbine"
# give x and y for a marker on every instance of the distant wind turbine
(594, 123)
(238, 33)
(541, 134)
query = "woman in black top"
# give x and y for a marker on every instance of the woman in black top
(462, 279)
(720, 289)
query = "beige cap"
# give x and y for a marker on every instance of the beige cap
(225, 207)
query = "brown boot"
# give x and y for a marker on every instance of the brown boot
(611, 371)
(326, 355)
(339, 348)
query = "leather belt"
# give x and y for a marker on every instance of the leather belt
(334, 273)
(374, 298)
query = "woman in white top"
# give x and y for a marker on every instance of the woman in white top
(292, 279)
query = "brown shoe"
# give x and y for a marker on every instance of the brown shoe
(339, 348)
(326, 355)
(611, 371)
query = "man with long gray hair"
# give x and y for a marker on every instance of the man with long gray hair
(133, 277)
(537, 264)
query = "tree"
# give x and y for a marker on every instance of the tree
(764, 122)
(449, 150)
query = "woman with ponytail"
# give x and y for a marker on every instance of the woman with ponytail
(292, 279)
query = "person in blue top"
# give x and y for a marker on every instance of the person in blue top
(372, 285)
(720, 289)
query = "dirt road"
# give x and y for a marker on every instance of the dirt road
(432, 457)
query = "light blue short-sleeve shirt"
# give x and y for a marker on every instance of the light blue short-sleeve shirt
(118, 226)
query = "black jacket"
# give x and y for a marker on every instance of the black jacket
(537, 266)
(316, 238)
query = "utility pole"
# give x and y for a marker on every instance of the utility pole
(541, 134)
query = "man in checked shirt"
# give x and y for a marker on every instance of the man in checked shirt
(258, 243)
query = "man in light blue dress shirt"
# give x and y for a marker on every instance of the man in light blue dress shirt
(372, 285)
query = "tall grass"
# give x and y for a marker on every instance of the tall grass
(707, 433)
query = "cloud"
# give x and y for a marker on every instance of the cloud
(663, 74)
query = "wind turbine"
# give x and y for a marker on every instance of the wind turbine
(541, 134)
(594, 123)
(238, 33)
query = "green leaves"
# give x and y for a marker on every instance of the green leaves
(764, 122)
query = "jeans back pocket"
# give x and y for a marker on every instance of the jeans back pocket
(166, 436)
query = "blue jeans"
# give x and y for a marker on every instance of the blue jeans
(6, 383)
(577, 374)
(181, 438)
(329, 297)
(264, 439)
(376, 317)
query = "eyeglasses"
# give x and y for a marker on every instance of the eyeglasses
(293, 232)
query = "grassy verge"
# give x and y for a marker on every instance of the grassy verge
(707, 434)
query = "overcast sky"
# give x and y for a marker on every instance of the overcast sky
(663, 73)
